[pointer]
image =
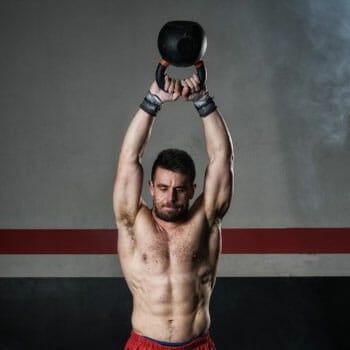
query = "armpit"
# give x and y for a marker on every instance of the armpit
(125, 219)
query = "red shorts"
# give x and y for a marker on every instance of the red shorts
(138, 342)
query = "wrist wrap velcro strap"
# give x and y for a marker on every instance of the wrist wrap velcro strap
(151, 104)
(205, 105)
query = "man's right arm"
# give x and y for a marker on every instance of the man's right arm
(129, 178)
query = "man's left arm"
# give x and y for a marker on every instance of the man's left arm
(218, 182)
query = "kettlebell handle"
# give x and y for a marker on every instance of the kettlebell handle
(163, 65)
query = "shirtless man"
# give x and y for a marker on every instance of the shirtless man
(169, 253)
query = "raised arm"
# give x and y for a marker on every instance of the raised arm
(218, 182)
(129, 177)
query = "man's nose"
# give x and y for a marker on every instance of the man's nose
(172, 195)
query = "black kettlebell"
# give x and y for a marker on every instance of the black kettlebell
(181, 44)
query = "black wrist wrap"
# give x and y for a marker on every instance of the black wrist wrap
(151, 104)
(205, 105)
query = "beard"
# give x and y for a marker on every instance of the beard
(175, 214)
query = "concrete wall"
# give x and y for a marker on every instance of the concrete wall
(74, 72)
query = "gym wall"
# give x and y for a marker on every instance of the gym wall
(73, 73)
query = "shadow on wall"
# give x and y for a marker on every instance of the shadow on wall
(306, 48)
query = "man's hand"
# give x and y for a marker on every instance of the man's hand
(171, 92)
(191, 90)
(188, 88)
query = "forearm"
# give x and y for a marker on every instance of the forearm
(137, 136)
(140, 127)
(217, 137)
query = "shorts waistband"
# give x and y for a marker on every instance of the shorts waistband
(154, 344)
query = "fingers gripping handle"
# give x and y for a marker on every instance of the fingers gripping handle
(163, 65)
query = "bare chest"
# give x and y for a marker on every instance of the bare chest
(181, 249)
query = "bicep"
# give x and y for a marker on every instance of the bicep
(218, 187)
(127, 191)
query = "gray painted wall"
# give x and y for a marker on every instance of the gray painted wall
(72, 73)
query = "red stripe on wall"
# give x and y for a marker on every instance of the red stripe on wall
(58, 241)
(234, 241)
(286, 241)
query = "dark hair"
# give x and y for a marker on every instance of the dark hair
(175, 160)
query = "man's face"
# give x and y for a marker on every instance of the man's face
(171, 194)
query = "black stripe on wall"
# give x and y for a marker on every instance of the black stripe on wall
(247, 313)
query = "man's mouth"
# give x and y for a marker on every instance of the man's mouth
(171, 207)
